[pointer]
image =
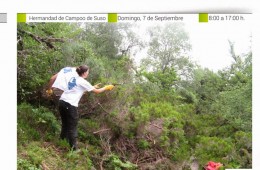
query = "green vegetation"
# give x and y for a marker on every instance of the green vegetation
(167, 112)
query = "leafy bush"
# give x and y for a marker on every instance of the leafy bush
(214, 149)
(63, 144)
(143, 144)
(151, 110)
(114, 162)
(187, 96)
(243, 140)
(33, 155)
(25, 164)
(36, 123)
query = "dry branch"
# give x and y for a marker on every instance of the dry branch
(99, 131)
(156, 126)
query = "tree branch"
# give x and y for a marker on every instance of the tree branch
(48, 41)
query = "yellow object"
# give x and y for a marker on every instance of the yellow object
(109, 87)
(49, 92)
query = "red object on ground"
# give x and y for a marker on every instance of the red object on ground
(213, 166)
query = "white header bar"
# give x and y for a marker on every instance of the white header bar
(136, 18)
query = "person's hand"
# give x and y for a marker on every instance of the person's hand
(97, 85)
(109, 87)
(49, 92)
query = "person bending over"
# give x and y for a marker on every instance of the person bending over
(72, 82)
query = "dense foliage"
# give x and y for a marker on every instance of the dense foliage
(168, 113)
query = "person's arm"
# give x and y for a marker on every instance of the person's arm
(97, 91)
(107, 87)
(52, 80)
(49, 91)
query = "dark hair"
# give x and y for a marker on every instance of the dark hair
(82, 69)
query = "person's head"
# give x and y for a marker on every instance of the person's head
(83, 71)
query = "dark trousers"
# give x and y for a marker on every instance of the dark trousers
(69, 119)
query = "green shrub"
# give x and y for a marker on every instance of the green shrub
(243, 140)
(86, 128)
(26, 133)
(214, 149)
(187, 96)
(143, 144)
(114, 162)
(63, 144)
(151, 110)
(34, 153)
(79, 159)
(25, 164)
(182, 153)
(35, 123)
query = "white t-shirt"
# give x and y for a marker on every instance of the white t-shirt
(76, 88)
(64, 77)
